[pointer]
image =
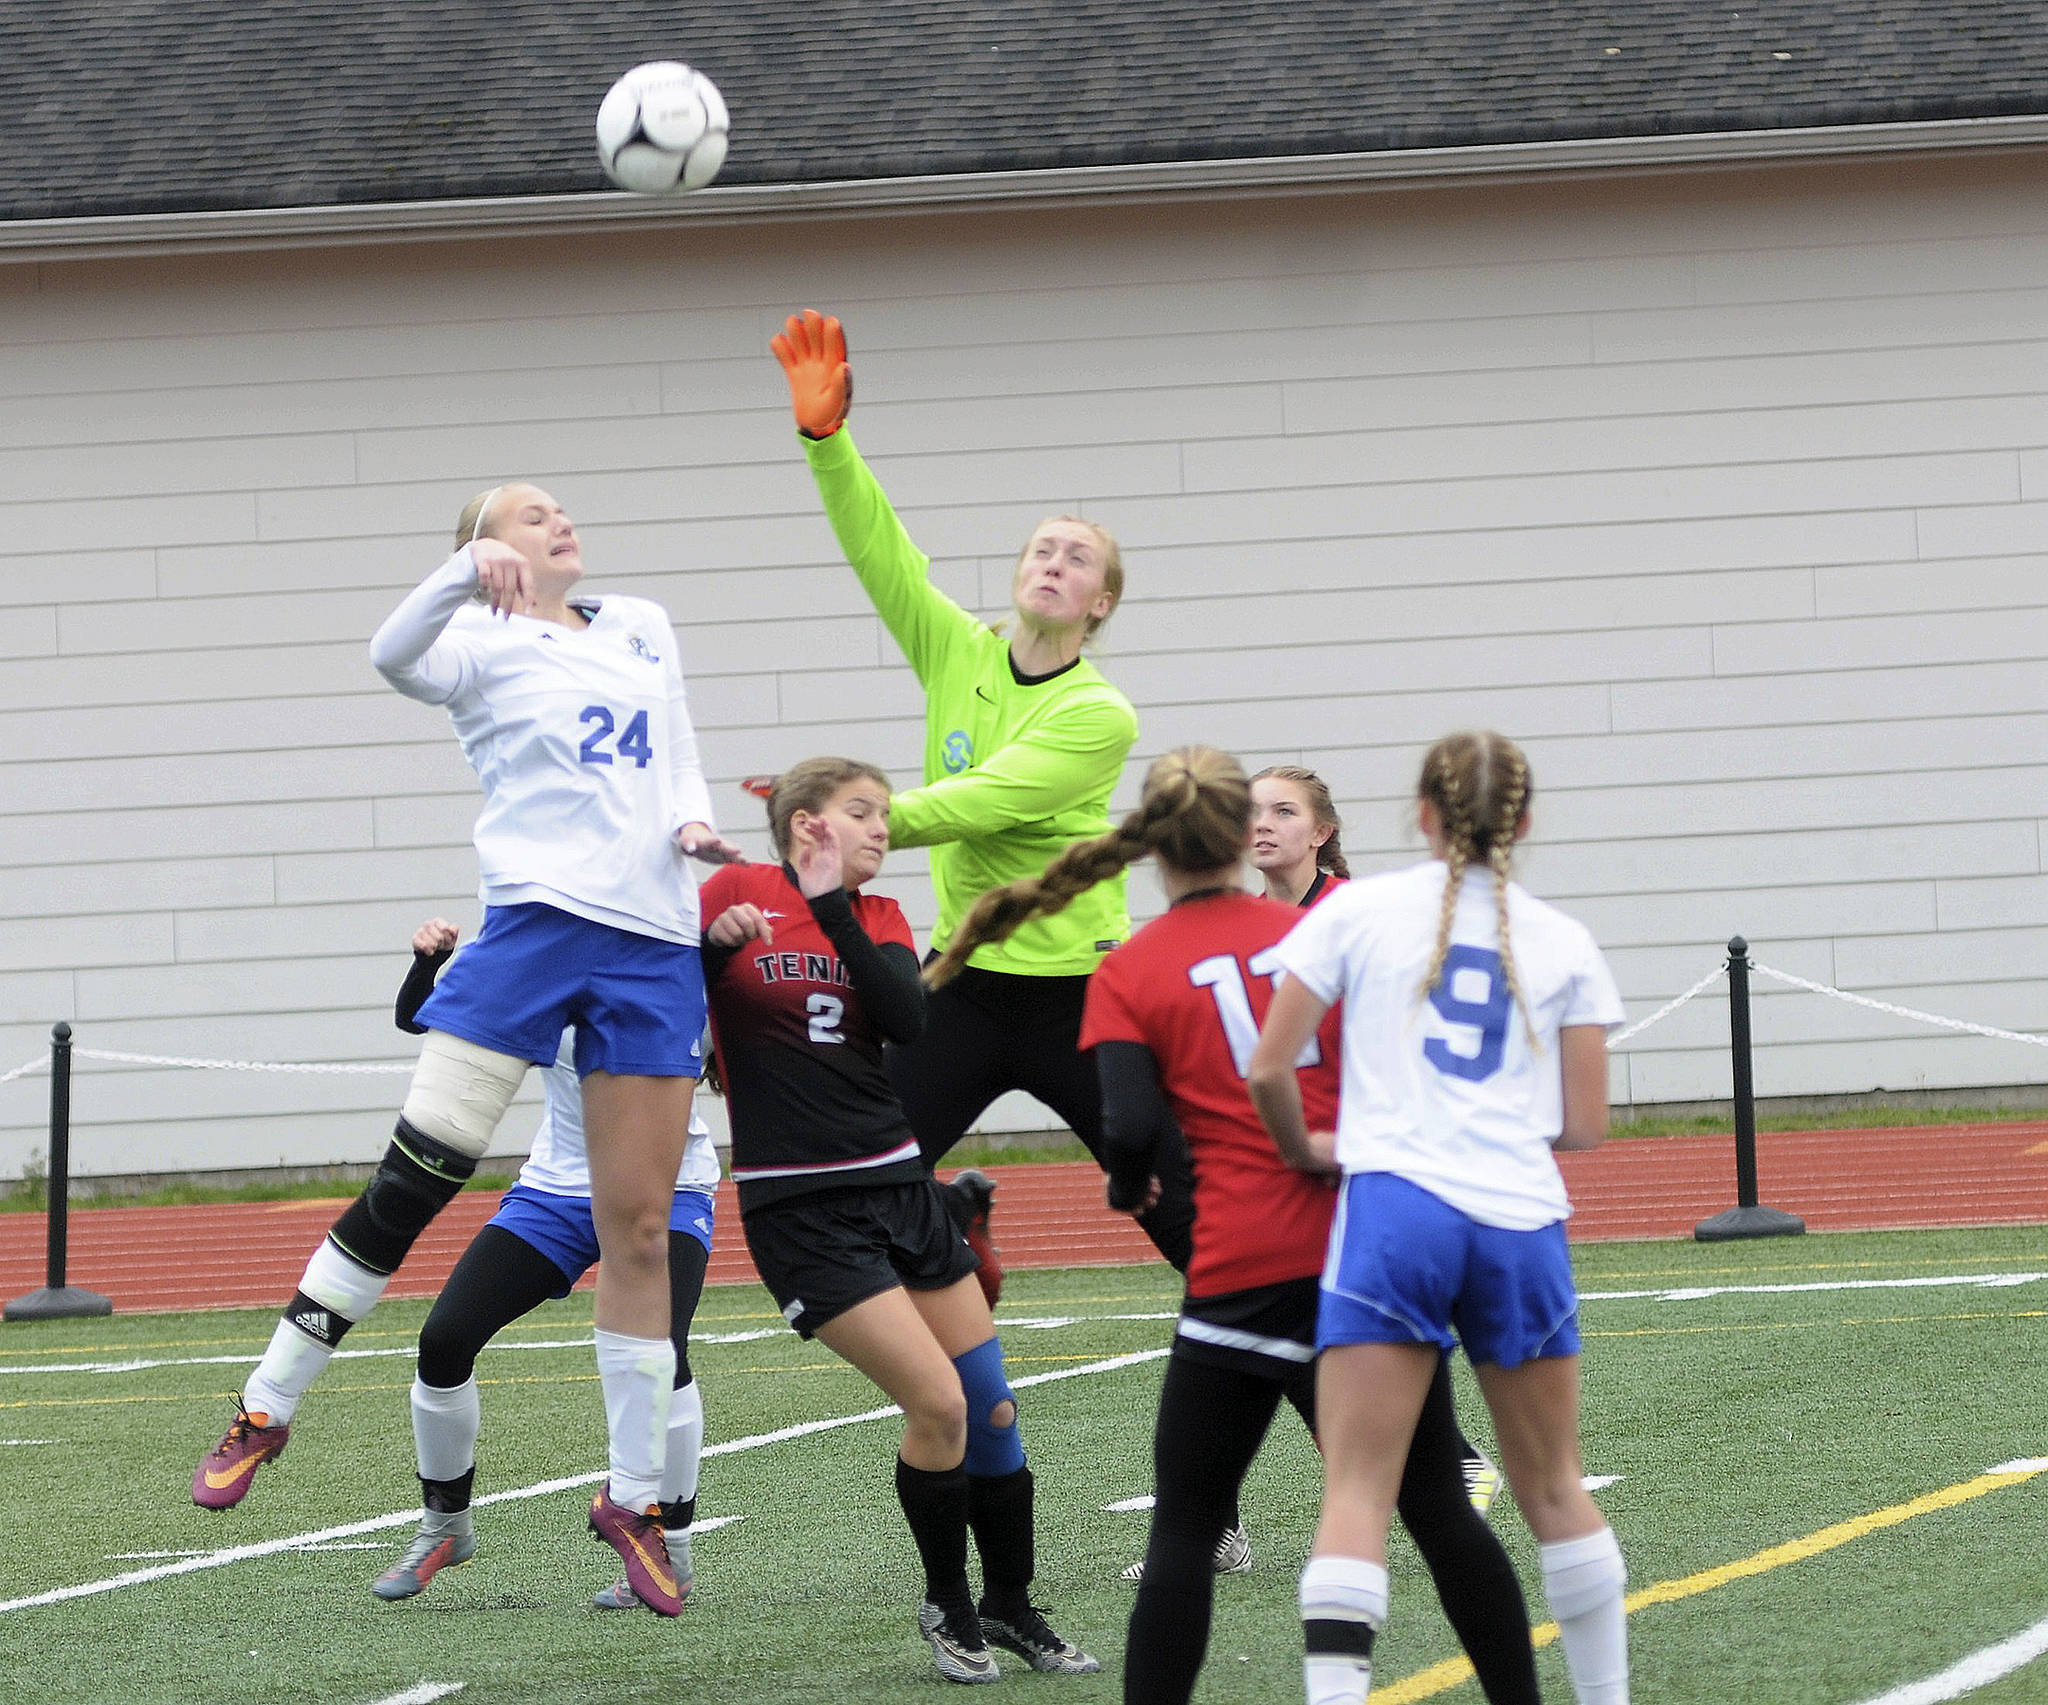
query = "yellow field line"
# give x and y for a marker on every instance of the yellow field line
(1442, 1677)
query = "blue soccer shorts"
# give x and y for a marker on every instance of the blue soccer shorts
(562, 1229)
(637, 1002)
(1405, 1267)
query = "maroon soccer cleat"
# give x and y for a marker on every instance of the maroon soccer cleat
(638, 1539)
(970, 1198)
(223, 1477)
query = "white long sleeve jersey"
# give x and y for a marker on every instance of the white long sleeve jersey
(560, 1161)
(581, 738)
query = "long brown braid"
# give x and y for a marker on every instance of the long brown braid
(1481, 788)
(1330, 855)
(1195, 813)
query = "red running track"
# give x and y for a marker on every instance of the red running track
(250, 1255)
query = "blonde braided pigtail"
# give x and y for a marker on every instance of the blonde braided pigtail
(1480, 786)
(1507, 818)
(1440, 783)
(1195, 813)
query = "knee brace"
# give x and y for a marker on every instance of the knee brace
(459, 1093)
(415, 1180)
(991, 1449)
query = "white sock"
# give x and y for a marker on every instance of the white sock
(1347, 1597)
(445, 1423)
(685, 1443)
(347, 1291)
(1582, 1579)
(291, 1363)
(639, 1377)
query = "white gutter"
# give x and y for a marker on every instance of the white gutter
(414, 221)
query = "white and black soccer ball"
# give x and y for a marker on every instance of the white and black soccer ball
(662, 129)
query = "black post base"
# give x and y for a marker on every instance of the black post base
(67, 1302)
(1748, 1222)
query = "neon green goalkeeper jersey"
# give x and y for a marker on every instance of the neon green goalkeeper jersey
(1013, 773)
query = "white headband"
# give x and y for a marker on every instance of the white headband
(482, 509)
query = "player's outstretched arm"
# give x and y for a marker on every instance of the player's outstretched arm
(812, 349)
(705, 844)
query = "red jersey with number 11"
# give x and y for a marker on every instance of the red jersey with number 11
(1194, 986)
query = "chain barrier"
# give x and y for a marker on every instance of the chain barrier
(1668, 1008)
(115, 1057)
(240, 1065)
(1899, 1011)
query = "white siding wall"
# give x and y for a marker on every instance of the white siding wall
(1725, 493)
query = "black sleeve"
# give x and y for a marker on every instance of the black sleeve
(885, 976)
(713, 958)
(1135, 1119)
(418, 984)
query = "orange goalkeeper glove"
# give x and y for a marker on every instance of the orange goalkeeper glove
(812, 349)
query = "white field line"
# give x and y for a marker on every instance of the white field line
(1979, 1669)
(540, 1489)
(424, 1694)
(146, 1364)
(1055, 1322)
(1699, 1293)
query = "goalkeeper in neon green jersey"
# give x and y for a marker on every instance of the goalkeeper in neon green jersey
(1024, 742)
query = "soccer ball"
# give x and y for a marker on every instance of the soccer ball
(661, 129)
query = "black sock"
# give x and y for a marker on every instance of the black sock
(999, 1511)
(935, 1504)
(445, 1497)
(1482, 1598)
(678, 1514)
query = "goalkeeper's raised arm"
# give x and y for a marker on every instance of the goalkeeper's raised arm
(1024, 743)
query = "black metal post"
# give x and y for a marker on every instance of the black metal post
(57, 1300)
(1740, 1073)
(1745, 1219)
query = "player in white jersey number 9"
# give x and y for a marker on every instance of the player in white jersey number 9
(1474, 1043)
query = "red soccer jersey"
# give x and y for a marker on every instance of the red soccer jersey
(809, 1095)
(1193, 986)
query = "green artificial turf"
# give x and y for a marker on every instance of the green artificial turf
(1738, 1420)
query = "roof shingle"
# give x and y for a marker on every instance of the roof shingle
(155, 106)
